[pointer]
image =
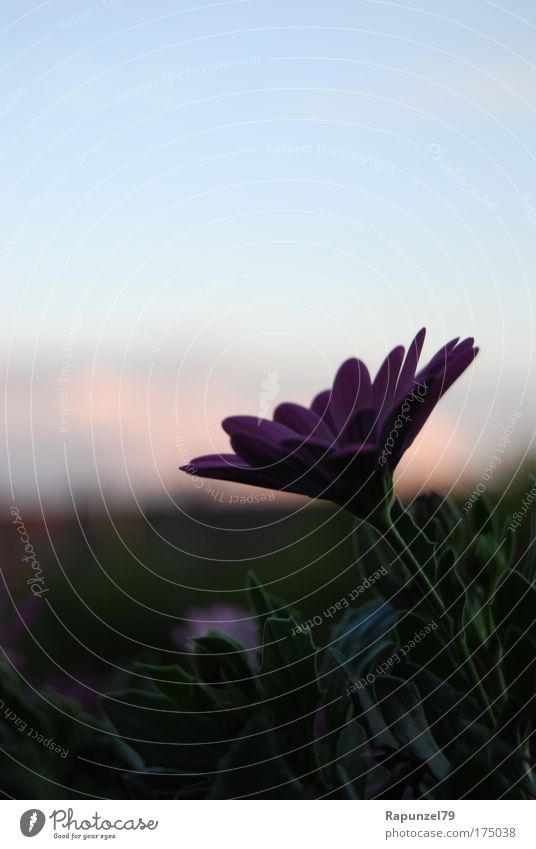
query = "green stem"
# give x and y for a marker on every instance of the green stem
(414, 567)
(460, 650)
(496, 671)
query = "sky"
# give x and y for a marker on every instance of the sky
(198, 196)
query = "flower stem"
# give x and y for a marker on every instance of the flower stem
(414, 567)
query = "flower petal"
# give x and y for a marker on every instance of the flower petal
(441, 357)
(351, 389)
(362, 427)
(212, 466)
(292, 471)
(409, 367)
(437, 383)
(264, 428)
(303, 421)
(356, 464)
(321, 407)
(211, 460)
(335, 449)
(383, 389)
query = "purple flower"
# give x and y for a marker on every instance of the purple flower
(345, 446)
(227, 618)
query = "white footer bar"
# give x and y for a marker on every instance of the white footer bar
(274, 824)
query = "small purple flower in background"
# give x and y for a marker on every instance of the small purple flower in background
(227, 618)
(345, 446)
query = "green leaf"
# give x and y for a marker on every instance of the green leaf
(337, 710)
(514, 603)
(529, 559)
(429, 651)
(374, 555)
(448, 710)
(401, 706)
(289, 675)
(254, 767)
(484, 517)
(219, 659)
(161, 734)
(352, 768)
(421, 546)
(185, 691)
(475, 624)
(363, 635)
(447, 577)
(379, 734)
(509, 547)
(438, 516)
(519, 668)
(264, 603)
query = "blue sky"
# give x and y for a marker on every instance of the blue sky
(197, 194)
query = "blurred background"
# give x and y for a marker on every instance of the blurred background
(206, 209)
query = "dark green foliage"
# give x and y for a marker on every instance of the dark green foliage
(425, 688)
(50, 749)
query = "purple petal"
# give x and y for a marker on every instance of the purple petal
(321, 407)
(314, 455)
(407, 372)
(303, 421)
(351, 389)
(298, 471)
(212, 466)
(356, 464)
(362, 427)
(211, 460)
(383, 389)
(293, 465)
(437, 384)
(264, 428)
(346, 452)
(257, 452)
(441, 358)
